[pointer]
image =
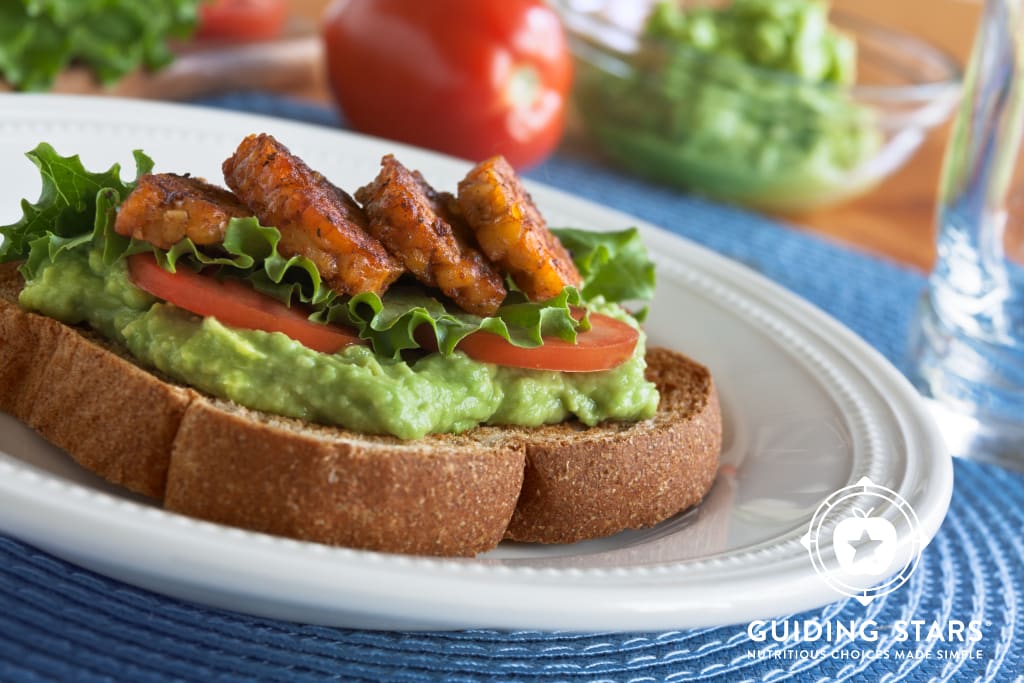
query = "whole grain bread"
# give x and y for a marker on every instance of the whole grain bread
(441, 495)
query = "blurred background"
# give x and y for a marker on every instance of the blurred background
(279, 47)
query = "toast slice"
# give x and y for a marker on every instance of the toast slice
(446, 494)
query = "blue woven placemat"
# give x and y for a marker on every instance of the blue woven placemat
(59, 622)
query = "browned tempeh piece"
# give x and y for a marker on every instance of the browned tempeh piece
(512, 232)
(317, 219)
(165, 208)
(415, 224)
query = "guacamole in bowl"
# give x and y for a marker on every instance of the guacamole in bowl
(755, 101)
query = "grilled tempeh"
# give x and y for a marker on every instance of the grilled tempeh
(511, 231)
(316, 219)
(414, 223)
(165, 208)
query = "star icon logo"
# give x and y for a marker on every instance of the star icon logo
(865, 547)
(864, 540)
(865, 544)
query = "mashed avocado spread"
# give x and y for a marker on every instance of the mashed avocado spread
(746, 102)
(354, 388)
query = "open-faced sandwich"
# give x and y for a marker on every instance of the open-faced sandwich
(405, 370)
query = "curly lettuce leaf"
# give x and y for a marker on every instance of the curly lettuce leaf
(390, 322)
(39, 38)
(66, 210)
(614, 265)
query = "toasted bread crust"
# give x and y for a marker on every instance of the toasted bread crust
(441, 495)
(596, 482)
(435, 496)
(111, 416)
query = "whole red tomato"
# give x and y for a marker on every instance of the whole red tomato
(242, 20)
(471, 78)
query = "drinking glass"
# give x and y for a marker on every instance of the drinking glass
(967, 346)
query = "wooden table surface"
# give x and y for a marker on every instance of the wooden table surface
(895, 220)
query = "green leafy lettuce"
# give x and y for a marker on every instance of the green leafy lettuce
(39, 38)
(392, 320)
(613, 265)
(69, 205)
(77, 210)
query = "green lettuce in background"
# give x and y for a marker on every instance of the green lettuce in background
(39, 38)
(77, 209)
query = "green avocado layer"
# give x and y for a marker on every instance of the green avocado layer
(354, 389)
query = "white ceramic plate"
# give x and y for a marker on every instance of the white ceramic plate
(808, 408)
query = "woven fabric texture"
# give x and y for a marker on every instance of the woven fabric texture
(59, 622)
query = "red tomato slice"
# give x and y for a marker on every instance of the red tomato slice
(606, 345)
(235, 304)
(242, 20)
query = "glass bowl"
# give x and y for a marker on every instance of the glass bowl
(757, 137)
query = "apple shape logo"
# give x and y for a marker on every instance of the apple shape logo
(865, 545)
(864, 540)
